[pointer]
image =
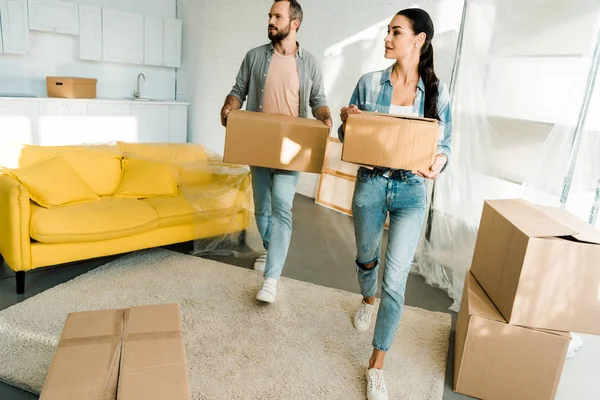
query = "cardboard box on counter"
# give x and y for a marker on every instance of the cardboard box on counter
(539, 265)
(391, 141)
(71, 88)
(497, 361)
(131, 354)
(275, 141)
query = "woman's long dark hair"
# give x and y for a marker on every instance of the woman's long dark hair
(421, 22)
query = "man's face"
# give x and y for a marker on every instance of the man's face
(279, 21)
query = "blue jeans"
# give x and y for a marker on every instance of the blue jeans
(404, 196)
(274, 192)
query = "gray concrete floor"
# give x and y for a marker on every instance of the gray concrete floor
(322, 252)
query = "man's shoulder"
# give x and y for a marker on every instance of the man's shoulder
(257, 50)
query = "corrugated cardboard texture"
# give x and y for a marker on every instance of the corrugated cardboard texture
(153, 362)
(390, 141)
(533, 265)
(275, 141)
(131, 354)
(71, 88)
(86, 362)
(497, 361)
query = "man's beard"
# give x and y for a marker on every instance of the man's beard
(279, 35)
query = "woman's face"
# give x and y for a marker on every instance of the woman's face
(401, 41)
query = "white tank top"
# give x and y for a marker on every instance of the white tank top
(402, 110)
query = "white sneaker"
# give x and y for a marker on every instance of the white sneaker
(362, 318)
(260, 263)
(376, 389)
(268, 291)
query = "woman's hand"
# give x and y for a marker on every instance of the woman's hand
(346, 111)
(435, 169)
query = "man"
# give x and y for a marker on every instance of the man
(278, 78)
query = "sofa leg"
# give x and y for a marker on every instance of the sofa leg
(242, 238)
(20, 282)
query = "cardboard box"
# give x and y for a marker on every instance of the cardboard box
(539, 265)
(71, 88)
(391, 141)
(497, 361)
(275, 141)
(130, 354)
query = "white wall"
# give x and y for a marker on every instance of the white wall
(58, 55)
(345, 36)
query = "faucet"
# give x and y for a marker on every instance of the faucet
(136, 92)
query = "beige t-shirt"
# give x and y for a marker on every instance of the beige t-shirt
(282, 88)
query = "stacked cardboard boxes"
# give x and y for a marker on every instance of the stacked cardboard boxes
(535, 277)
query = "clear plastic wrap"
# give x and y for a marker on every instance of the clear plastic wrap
(519, 92)
(214, 197)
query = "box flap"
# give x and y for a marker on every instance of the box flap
(478, 303)
(584, 231)
(72, 79)
(529, 219)
(369, 113)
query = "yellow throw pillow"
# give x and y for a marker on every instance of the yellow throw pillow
(143, 179)
(53, 182)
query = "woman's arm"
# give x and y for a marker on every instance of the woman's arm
(346, 111)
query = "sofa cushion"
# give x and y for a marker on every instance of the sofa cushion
(109, 218)
(98, 165)
(143, 178)
(191, 159)
(195, 206)
(53, 182)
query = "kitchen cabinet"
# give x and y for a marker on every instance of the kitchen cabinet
(153, 122)
(153, 40)
(172, 41)
(90, 32)
(15, 26)
(54, 16)
(178, 124)
(122, 36)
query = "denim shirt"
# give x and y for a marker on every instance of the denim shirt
(373, 93)
(251, 78)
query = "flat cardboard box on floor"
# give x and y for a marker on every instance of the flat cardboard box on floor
(392, 141)
(497, 361)
(539, 265)
(71, 88)
(130, 354)
(275, 141)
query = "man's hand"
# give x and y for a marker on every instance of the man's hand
(323, 115)
(224, 114)
(231, 103)
(346, 111)
(435, 169)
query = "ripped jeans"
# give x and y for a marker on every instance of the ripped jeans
(404, 196)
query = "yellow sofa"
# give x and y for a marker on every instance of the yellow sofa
(208, 201)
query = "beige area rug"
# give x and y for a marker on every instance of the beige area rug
(302, 347)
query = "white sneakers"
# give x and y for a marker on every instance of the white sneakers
(362, 318)
(376, 389)
(260, 263)
(268, 291)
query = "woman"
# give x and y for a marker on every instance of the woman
(409, 87)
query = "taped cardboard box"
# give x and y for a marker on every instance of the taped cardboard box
(539, 265)
(392, 141)
(129, 354)
(71, 88)
(497, 361)
(275, 141)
